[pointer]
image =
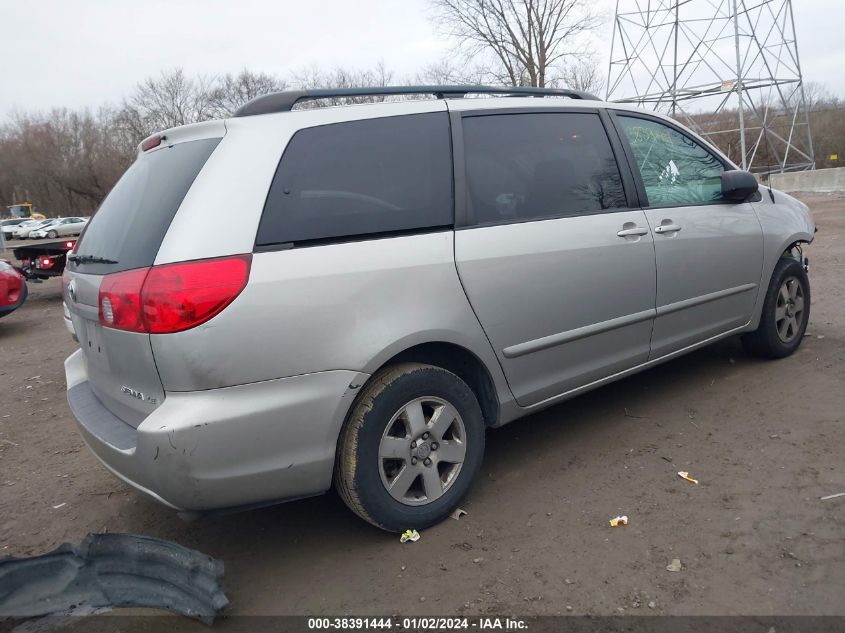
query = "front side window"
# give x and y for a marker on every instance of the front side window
(539, 165)
(361, 178)
(674, 168)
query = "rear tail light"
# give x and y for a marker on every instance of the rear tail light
(173, 297)
(13, 289)
(120, 300)
(45, 262)
(69, 245)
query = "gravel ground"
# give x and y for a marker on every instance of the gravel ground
(765, 439)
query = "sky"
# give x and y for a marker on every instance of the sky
(82, 53)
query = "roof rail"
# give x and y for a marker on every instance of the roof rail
(284, 101)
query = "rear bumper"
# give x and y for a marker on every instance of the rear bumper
(222, 448)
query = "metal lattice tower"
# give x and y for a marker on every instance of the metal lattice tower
(727, 68)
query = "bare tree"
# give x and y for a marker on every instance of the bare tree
(818, 97)
(449, 72)
(583, 74)
(340, 77)
(232, 91)
(526, 39)
(166, 101)
(64, 161)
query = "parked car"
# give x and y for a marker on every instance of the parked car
(24, 229)
(26, 225)
(8, 227)
(12, 288)
(64, 227)
(403, 276)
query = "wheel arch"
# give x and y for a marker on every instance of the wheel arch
(464, 364)
(792, 241)
(456, 358)
(775, 254)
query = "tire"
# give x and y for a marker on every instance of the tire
(52, 235)
(786, 312)
(378, 447)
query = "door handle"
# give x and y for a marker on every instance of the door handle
(637, 230)
(667, 228)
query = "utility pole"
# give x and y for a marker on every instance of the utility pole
(727, 68)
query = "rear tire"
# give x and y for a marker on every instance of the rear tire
(410, 448)
(786, 312)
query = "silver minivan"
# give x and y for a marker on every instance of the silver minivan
(297, 298)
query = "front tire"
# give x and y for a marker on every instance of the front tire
(52, 235)
(786, 312)
(410, 448)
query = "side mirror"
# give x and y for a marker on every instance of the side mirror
(738, 185)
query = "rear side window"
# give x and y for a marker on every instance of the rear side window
(539, 165)
(361, 178)
(131, 223)
(674, 168)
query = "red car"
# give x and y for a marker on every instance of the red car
(12, 289)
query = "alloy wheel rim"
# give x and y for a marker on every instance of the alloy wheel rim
(789, 309)
(422, 451)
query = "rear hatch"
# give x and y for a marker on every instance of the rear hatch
(126, 234)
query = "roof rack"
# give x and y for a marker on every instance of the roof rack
(284, 101)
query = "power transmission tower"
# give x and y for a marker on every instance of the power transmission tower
(727, 68)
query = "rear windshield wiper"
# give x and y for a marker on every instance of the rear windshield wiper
(90, 259)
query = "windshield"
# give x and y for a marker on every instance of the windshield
(19, 211)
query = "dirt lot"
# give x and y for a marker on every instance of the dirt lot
(766, 439)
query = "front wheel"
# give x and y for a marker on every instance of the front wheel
(411, 447)
(786, 312)
(52, 235)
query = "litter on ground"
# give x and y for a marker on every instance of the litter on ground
(409, 535)
(675, 565)
(838, 494)
(685, 475)
(619, 521)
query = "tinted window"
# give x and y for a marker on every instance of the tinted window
(675, 169)
(524, 166)
(133, 219)
(361, 177)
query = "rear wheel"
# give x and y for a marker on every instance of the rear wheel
(786, 312)
(410, 448)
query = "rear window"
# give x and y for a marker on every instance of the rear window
(131, 223)
(361, 178)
